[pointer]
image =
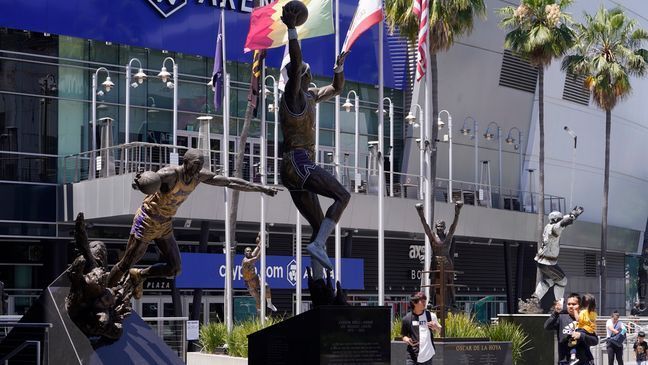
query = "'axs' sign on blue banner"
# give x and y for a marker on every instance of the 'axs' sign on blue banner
(207, 271)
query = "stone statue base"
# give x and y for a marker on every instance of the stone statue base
(66, 344)
(325, 335)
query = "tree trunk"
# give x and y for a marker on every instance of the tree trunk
(238, 171)
(604, 214)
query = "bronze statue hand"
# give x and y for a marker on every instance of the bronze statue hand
(289, 16)
(339, 62)
(577, 211)
(419, 206)
(458, 205)
(269, 190)
(135, 183)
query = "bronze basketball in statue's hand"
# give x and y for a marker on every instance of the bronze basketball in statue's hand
(294, 14)
(148, 182)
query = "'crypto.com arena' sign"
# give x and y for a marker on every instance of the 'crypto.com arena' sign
(167, 7)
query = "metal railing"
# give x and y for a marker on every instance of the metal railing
(36, 343)
(140, 156)
(173, 331)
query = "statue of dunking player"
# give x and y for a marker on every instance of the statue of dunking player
(153, 220)
(251, 278)
(299, 173)
(547, 262)
(442, 245)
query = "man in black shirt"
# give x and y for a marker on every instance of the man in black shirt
(416, 329)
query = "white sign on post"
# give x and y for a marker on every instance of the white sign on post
(192, 330)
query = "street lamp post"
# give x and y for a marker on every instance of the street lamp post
(518, 146)
(347, 106)
(573, 166)
(488, 135)
(274, 108)
(107, 84)
(411, 120)
(440, 123)
(140, 76)
(164, 76)
(466, 131)
(391, 144)
(317, 126)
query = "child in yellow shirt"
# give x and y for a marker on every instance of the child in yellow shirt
(586, 322)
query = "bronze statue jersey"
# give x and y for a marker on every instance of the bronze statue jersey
(299, 143)
(153, 217)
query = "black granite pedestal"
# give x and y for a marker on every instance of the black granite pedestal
(327, 335)
(66, 344)
(542, 342)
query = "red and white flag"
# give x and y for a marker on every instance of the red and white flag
(421, 10)
(368, 13)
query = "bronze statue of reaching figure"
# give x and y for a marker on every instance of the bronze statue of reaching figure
(153, 220)
(251, 277)
(299, 173)
(441, 242)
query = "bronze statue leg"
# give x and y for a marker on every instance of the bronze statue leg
(322, 183)
(135, 250)
(309, 206)
(171, 254)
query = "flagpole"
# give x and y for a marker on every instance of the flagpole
(381, 171)
(338, 174)
(262, 299)
(428, 162)
(226, 194)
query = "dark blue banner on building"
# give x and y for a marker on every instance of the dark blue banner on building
(191, 27)
(207, 271)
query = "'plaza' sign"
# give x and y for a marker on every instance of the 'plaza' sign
(207, 271)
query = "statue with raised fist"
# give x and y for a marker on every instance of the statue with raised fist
(547, 262)
(299, 173)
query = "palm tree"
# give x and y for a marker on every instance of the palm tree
(607, 53)
(448, 19)
(539, 32)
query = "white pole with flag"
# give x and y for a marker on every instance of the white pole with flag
(338, 170)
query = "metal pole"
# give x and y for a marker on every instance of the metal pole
(93, 154)
(381, 172)
(175, 106)
(421, 154)
(263, 140)
(476, 131)
(428, 173)
(300, 272)
(317, 131)
(499, 144)
(127, 110)
(356, 143)
(391, 148)
(450, 159)
(228, 233)
(275, 92)
(338, 238)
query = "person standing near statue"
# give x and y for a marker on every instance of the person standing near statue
(417, 330)
(299, 173)
(251, 277)
(547, 262)
(441, 242)
(153, 219)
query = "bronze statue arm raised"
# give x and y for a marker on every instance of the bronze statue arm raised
(571, 217)
(81, 239)
(327, 92)
(453, 227)
(426, 227)
(210, 178)
(293, 91)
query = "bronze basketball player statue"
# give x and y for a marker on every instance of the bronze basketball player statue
(299, 173)
(153, 220)
(251, 277)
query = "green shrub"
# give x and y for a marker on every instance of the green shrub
(396, 328)
(212, 335)
(511, 332)
(237, 342)
(462, 325)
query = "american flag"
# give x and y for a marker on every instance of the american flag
(421, 10)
